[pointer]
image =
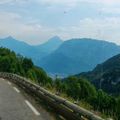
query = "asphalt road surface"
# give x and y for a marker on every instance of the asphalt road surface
(14, 106)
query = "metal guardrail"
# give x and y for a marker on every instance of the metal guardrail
(62, 106)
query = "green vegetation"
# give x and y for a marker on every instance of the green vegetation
(106, 76)
(81, 90)
(10, 62)
(73, 88)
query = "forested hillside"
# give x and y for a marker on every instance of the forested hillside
(10, 62)
(106, 75)
(81, 90)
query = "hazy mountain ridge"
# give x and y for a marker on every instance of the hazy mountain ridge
(51, 45)
(35, 52)
(79, 55)
(65, 58)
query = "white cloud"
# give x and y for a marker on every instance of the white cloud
(106, 29)
(14, 1)
(110, 10)
(73, 3)
(34, 32)
(65, 2)
(5, 1)
(102, 1)
(78, 1)
(12, 24)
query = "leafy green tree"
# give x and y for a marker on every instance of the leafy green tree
(118, 108)
(5, 64)
(27, 64)
(10, 62)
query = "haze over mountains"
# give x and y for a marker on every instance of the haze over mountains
(78, 55)
(34, 52)
(65, 58)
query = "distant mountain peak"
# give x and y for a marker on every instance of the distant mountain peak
(9, 37)
(54, 39)
(51, 45)
(10, 41)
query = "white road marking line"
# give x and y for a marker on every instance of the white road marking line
(9, 83)
(32, 108)
(16, 90)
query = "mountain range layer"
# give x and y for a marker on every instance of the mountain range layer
(35, 52)
(65, 57)
(78, 55)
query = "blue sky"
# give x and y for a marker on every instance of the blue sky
(35, 21)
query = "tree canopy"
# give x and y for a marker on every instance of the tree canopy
(10, 62)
